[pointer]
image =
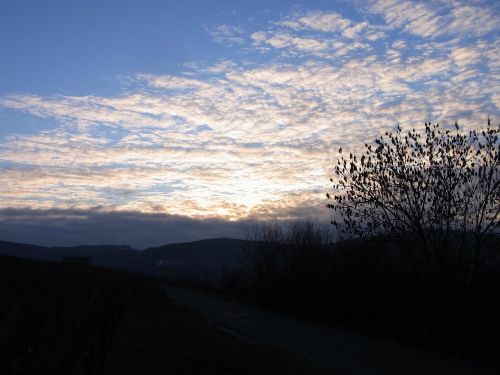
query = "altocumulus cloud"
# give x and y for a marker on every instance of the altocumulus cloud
(239, 140)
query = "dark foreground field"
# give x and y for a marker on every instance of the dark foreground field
(170, 339)
(75, 319)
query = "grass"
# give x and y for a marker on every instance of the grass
(169, 339)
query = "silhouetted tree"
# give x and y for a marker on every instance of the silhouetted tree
(265, 255)
(288, 258)
(434, 195)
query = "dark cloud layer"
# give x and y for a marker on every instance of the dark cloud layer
(91, 227)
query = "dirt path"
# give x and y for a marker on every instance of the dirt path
(342, 351)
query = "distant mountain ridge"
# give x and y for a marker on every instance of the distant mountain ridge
(204, 258)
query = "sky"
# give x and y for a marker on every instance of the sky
(148, 122)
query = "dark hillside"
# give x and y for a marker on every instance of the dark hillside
(104, 256)
(202, 259)
(199, 259)
(27, 251)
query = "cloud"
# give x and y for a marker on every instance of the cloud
(475, 20)
(54, 227)
(414, 17)
(226, 34)
(97, 226)
(317, 33)
(316, 20)
(243, 140)
(437, 18)
(353, 32)
(465, 56)
(300, 45)
(399, 44)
